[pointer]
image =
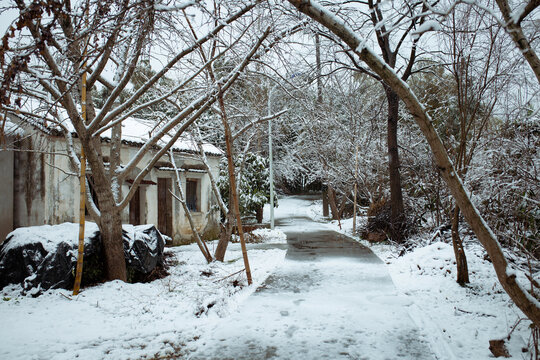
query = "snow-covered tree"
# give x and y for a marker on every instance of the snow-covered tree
(362, 51)
(51, 45)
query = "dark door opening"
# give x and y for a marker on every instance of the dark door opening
(165, 206)
(135, 208)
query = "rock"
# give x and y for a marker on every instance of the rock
(498, 348)
(143, 249)
(44, 257)
(19, 263)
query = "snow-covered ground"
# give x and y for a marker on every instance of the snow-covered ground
(459, 321)
(331, 299)
(131, 321)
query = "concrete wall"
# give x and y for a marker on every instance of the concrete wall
(6, 193)
(182, 232)
(45, 189)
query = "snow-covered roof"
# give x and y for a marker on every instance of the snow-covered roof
(12, 129)
(138, 131)
(166, 168)
(135, 132)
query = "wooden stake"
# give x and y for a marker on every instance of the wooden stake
(187, 212)
(82, 182)
(232, 184)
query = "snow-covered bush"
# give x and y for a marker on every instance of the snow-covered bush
(506, 187)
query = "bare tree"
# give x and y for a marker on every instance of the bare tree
(48, 62)
(394, 31)
(507, 277)
(480, 68)
(238, 120)
(513, 20)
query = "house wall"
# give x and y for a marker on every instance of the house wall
(45, 189)
(199, 217)
(181, 230)
(6, 193)
(182, 233)
(44, 186)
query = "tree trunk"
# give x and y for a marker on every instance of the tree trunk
(110, 219)
(110, 227)
(259, 215)
(234, 202)
(342, 206)
(459, 251)
(225, 234)
(396, 195)
(332, 201)
(438, 204)
(325, 209)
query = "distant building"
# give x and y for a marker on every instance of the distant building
(38, 185)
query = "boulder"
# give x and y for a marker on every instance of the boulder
(44, 257)
(143, 249)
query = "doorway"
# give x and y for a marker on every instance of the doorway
(165, 206)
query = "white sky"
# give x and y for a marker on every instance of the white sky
(6, 18)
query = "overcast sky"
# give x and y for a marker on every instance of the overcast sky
(6, 18)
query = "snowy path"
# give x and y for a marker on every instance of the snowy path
(331, 299)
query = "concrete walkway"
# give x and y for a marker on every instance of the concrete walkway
(332, 299)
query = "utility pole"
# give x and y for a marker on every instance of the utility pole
(271, 158)
(326, 211)
(355, 189)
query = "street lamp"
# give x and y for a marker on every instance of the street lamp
(271, 160)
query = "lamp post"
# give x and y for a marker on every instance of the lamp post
(271, 160)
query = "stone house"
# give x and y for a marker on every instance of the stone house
(38, 186)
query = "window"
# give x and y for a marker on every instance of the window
(191, 194)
